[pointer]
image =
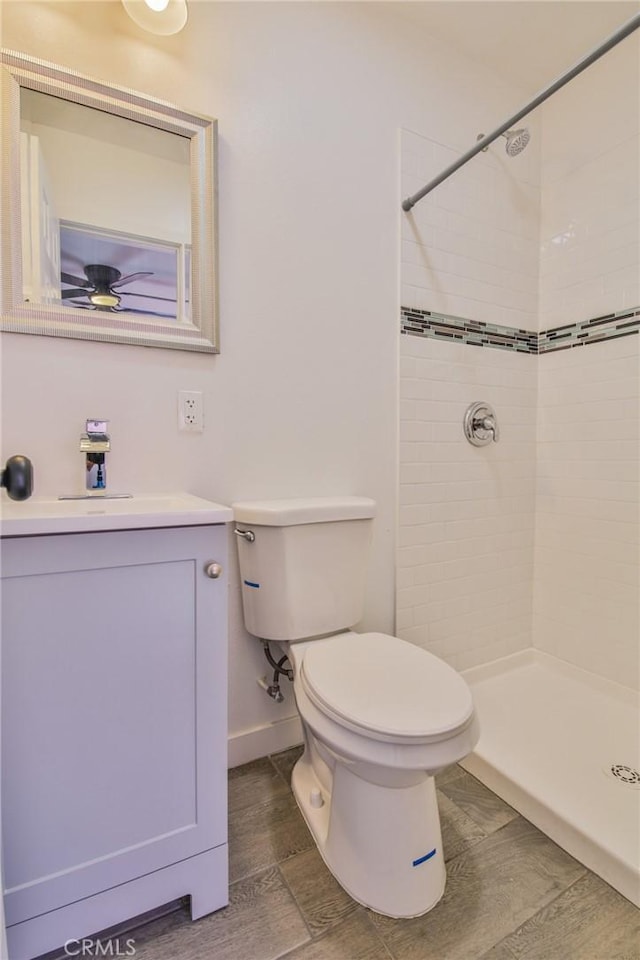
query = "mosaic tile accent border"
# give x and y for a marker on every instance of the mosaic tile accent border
(610, 327)
(442, 326)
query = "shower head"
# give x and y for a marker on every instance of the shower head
(516, 141)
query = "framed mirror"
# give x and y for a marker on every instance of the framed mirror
(108, 211)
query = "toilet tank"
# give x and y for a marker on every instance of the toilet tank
(304, 573)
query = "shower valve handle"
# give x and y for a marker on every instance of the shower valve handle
(489, 424)
(481, 424)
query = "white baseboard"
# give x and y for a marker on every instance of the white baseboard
(263, 740)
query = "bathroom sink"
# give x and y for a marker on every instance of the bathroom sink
(45, 516)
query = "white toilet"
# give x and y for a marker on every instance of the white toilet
(380, 716)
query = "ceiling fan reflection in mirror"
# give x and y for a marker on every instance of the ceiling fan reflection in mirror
(97, 290)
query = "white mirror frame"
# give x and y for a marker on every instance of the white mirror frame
(18, 316)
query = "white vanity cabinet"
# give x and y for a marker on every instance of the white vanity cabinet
(114, 728)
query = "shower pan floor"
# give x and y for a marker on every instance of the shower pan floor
(550, 734)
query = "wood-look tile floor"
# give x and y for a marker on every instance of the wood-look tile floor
(511, 894)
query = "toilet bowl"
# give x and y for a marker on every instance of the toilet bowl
(380, 716)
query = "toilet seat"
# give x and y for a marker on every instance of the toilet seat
(385, 688)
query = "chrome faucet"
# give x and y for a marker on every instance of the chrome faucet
(95, 443)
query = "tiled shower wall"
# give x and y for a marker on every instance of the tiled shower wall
(465, 557)
(474, 583)
(470, 248)
(590, 174)
(586, 600)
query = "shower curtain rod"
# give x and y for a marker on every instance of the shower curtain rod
(615, 38)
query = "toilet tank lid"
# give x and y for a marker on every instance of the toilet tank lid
(286, 513)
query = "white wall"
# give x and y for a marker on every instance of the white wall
(303, 398)
(587, 571)
(89, 188)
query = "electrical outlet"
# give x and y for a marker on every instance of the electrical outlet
(190, 411)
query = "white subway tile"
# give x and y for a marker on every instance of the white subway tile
(550, 513)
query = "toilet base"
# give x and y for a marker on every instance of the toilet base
(383, 844)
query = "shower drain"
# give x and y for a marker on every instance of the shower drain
(624, 774)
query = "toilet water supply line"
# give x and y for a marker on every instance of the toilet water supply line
(627, 28)
(274, 690)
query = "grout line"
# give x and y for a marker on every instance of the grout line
(378, 935)
(280, 772)
(504, 945)
(298, 908)
(545, 906)
(277, 769)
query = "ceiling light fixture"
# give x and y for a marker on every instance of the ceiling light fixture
(108, 299)
(162, 17)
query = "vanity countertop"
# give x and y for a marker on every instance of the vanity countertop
(40, 516)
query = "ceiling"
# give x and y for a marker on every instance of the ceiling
(531, 42)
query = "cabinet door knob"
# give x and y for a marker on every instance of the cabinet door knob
(213, 570)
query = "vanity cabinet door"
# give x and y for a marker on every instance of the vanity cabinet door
(114, 679)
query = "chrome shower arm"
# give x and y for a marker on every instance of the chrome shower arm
(624, 31)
